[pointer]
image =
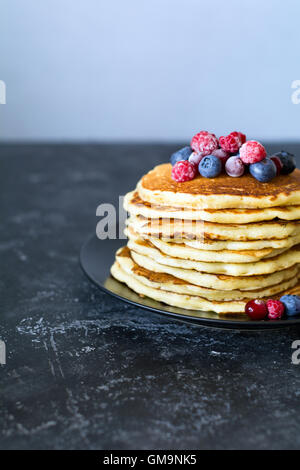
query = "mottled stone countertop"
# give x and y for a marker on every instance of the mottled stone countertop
(86, 371)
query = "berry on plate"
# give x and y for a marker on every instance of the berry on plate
(256, 309)
(264, 170)
(234, 167)
(232, 142)
(204, 142)
(278, 163)
(182, 154)
(275, 309)
(288, 162)
(183, 171)
(210, 166)
(196, 158)
(223, 155)
(292, 304)
(252, 152)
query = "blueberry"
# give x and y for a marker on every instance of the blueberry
(288, 162)
(182, 154)
(234, 166)
(291, 303)
(210, 166)
(263, 171)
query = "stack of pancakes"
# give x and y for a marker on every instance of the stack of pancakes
(211, 244)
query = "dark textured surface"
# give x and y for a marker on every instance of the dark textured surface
(85, 371)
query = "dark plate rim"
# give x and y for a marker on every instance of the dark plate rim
(210, 322)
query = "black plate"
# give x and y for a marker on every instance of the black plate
(96, 258)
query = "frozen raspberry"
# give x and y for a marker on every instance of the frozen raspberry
(204, 142)
(232, 142)
(183, 171)
(241, 136)
(275, 309)
(252, 152)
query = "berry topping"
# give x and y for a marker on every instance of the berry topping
(196, 158)
(210, 166)
(242, 137)
(291, 303)
(204, 142)
(256, 309)
(183, 171)
(275, 309)
(223, 155)
(278, 163)
(263, 171)
(287, 160)
(234, 166)
(232, 142)
(252, 152)
(180, 155)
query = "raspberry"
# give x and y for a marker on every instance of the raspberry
(241, 136)
(232, 142)
(252, 152)
(204, 142)
(275, 309)
(183, 171)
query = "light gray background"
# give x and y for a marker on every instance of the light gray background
(148, 69)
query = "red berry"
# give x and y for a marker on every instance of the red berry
(278, 164)
(252, 152)
(204, 142)
(242, 137)
(183, 171)
(256, 309)
(232, 142)
(275, 309)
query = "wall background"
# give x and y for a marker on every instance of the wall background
(148, 69)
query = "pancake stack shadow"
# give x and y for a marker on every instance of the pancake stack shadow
(211, 244)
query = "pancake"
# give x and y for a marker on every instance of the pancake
(216, 281)
(217, 245)
(182, 250)
(211, 243)
(199, 230)
(267, 266)
(170, 283)
(180, 300)
(222, 192)
(136, 206)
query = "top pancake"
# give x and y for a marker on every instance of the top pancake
(222, 192)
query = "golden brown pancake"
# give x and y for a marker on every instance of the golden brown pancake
(174, 284)
(211, 244)
(136, 206)
(158, 187)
